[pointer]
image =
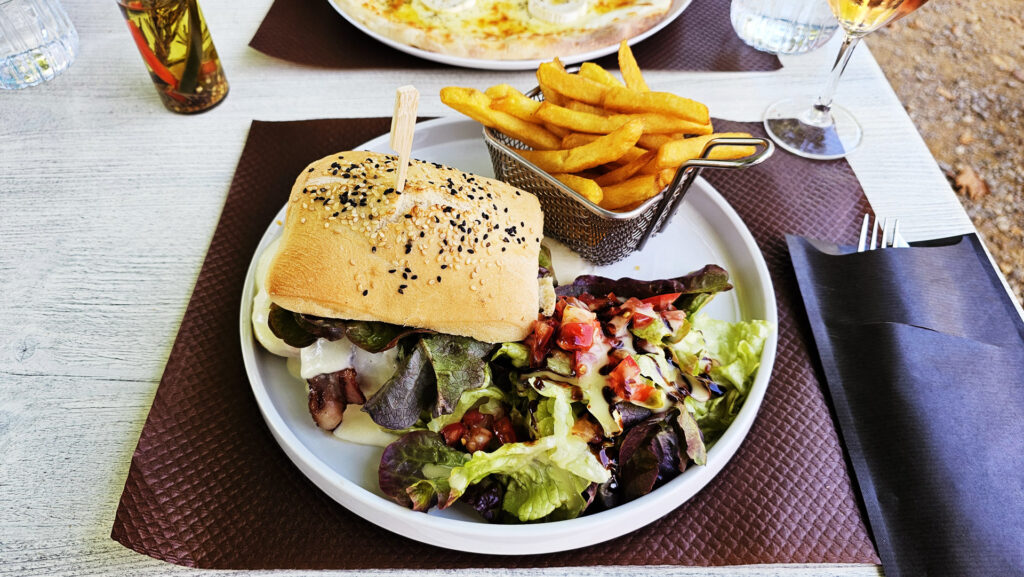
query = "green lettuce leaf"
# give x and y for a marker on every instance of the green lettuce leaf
(414, 470)
(735, 346)
(487, 399)
(543, 478)
(430, 378)
(460, 364)
(517, 353)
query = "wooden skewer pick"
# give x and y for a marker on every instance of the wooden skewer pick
(403, 122)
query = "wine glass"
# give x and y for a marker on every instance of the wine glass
(822, 130)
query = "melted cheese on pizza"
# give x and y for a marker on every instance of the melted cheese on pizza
(503, 18)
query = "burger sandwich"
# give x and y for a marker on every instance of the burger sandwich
(392, 299)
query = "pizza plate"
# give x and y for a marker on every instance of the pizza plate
(705, 225)
(484, 64)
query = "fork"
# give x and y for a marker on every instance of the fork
(891, 237)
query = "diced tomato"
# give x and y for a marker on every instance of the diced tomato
(474, 418)
(625, 381)
(640, 392)
(642, 312)
(641, 320)
(624, 373)
(559, 307)
(453, 433)
(675, 319)
(539, 340)
(503, 429)
(576, 336)
(662, 302)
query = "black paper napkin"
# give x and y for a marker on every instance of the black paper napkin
(923, 353)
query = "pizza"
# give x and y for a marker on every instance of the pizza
(507, 29)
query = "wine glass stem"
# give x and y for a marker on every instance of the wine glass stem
(820, 114)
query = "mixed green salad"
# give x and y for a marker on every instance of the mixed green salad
(618, 391)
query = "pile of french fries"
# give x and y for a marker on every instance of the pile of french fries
(616, 143)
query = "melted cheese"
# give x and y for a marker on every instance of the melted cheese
(325, 356)
(261, 307)
(501, 18)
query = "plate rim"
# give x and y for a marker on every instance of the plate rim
(508, 65)
(538, 538)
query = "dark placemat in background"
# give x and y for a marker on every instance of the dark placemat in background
(209, 487)
(312, 32)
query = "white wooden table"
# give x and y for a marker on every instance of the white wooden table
(108, 203)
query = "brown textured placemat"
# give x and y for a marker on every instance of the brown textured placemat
(311, 32)
(209, 487)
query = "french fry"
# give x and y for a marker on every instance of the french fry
(476, 105)
(603, 150)
(634, 190)
(657, 123)
(656, 141)
(550, 94)
(558, 131)
(598, 74)
(630, 70)
(674, 153)
(522, 108)
(584, 107)
(499, 91)
(574, 139)
(629, 100)
(625, 171)
(572, 86)
(579, 121)
(586, 188)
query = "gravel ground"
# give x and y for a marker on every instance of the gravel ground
(958, 68)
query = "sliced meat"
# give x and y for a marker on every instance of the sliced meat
(330, 393)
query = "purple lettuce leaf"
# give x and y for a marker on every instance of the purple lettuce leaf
(696, 288)
(403, 471)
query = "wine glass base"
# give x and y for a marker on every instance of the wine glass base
(795, 125)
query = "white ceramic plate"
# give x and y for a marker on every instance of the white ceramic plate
(484, 64)
(704, 230)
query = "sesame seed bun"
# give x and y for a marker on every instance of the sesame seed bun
(454, 252)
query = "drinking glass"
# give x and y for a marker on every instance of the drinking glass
(821, 129)
(175, 44)
(783, 26)
(37, 42)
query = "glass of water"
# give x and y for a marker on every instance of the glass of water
(783, 26)
(37, 42)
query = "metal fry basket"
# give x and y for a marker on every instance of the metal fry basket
(599, 235)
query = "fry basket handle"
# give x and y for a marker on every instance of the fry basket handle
(690, 169)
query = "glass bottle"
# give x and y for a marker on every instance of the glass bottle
(175, 44)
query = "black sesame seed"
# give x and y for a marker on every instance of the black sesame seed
(408, 216)
(470, 251)
(405, 275)
(414, 277)
(365, 292)
(460, 249)
(392, 271)
(444, 266)
(373, 249)
(438, 278)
